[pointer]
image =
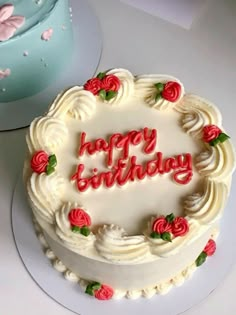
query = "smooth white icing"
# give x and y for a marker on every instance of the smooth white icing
(147, 292)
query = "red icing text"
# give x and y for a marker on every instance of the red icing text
(128, 170)
(120, 142)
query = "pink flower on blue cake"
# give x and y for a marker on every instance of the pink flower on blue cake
(9, 23)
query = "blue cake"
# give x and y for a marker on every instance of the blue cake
(36, 45)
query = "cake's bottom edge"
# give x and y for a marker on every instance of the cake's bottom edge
(148, 292)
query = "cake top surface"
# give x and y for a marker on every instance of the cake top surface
(128, 168)
(127, 205)
(29, 14)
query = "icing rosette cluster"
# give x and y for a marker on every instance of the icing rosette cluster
(213, 135)
(162, 92)
(167, 227)
(104, 85)
(72, 227)
(99, 291)
(208, 250)
(170, 91)
(41, 162)
(80, 221)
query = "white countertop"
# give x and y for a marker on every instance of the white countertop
(204, 60)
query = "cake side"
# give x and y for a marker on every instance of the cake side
(163, 286)
(79, 233)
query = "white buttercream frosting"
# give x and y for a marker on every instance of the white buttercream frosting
(145, 88)
(76, 102)
(46, 133)
(127, 85)
(197, 113)
(162, 248)
(133, 294)
(51, 199)
(164, 288)
(217, 162)
(50, 254)
(44, 204)
(75, 241)
(207, 207)
(113, 243)
(59, 266)
(71, 276)
(160, 288)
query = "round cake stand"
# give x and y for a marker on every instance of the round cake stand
(87, 53)
(69, 294)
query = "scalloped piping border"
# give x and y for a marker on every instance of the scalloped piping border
(161, 288)
(56, 111)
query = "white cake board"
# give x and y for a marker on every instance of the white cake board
(86, 57)
(69, 295)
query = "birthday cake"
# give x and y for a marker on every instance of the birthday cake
(128, 177)
(35, 45)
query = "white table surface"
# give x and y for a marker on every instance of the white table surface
(203, 58)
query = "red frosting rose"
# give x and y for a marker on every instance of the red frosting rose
(39, 162)
(93, 85)
(78, 217)
(180, 226)
(111, 83)
(171, 91)
(161, 225)
(210, 132)
(210, 247)
(104, 293)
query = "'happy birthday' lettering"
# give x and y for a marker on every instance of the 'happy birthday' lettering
(121, 142)
(126, 168)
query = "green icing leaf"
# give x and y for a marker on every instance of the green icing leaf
(96, 285)
(52, 160)
(101, 75)
(49, 169)
(166, 236)
(110, 95)
(155, 235)
(223, 137)
(214, 142)
(201, 259)
(89, 289)
(85, 231)
(159, 86)
(158, 96)
(75, 229)
(170, 218)
(102, 93)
